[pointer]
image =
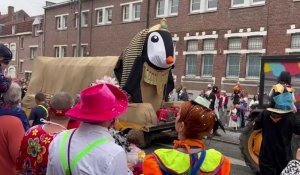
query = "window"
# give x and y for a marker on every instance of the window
(212, 4)
(84, 18)
(126, 13)
(82, 51)
(136, 11)
(233, 66)
(295, 41)
(246, 3)
(255, 43)
(104, 15)
(21, 66)
(209, 44)
(28, 75)
(60, 51)
(235, 43)
(13, 29)
(22, 42)
(35, 29)
(131, 11)
(13, 49)
(61, 22)
(33, 52)
(201, 6)
(253, 66)
(190, 65)
(192, 45)
(207, 65)
(12, 71)
(167, 8)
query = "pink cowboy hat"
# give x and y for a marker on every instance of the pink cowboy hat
(102, 102)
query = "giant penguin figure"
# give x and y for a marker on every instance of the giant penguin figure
(144, 68)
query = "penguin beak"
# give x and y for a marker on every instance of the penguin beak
(170, 60)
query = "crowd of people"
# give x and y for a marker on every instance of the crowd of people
(230, 110)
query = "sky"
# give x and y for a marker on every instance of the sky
(31, 7)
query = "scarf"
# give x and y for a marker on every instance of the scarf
(188, 143)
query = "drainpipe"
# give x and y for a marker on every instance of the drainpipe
(148, 14)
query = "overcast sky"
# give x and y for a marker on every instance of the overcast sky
(31, 7)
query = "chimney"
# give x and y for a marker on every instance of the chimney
(10, 10)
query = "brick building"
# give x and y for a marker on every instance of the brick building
(24, 36)
(217, 41)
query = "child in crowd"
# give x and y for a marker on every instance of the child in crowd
(233, 118)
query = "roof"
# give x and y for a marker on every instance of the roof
(52, 5)
(24, 26)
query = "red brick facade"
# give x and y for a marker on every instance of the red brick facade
(270, 20)
(21, 40)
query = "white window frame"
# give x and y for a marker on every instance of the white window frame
(104, 15)
(14, 69)
(76, 18)
(247, 3)
(227, 66)
(63, 22)
(167, 9)
(203, 7)
(295, 34)
(32, 56)
(60, 54)
(235, 38)
(202, 66)
(262, 42)
(14, 52)
(131, 15)
(82, 53)
(247, 67)
(21, 64)
(13, 29)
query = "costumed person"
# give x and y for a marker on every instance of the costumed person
(11, 134)
(236, 94)
(214, 104)
(189, 155)
(284, 82)
(91, 149)
(144, 68)
(223, 107)
(278, 124)
(233, 118)
(242, 108)
(33, 156)
(5, 58)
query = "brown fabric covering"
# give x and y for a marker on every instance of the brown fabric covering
(51, 75)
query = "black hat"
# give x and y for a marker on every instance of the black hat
(5, 53)
(285, 77)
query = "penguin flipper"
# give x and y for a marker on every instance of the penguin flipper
(133, 86)
(119, 69)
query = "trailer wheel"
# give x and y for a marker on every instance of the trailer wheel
(140, 138)
(250, 141)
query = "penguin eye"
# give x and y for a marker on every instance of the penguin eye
(154, 39)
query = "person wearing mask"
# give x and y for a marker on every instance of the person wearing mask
(91, 149)
(11, 134)
(33, 156)
(40, 111)
(189, 155)
(278, 123)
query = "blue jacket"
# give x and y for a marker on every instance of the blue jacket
(18, 112)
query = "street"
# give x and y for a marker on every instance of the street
(227, 143)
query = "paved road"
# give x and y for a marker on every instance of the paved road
(232, 151)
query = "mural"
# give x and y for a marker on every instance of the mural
(273, 70)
